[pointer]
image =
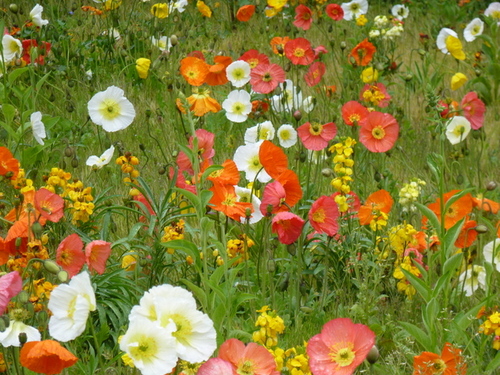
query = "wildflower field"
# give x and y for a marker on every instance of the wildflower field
(250, 187)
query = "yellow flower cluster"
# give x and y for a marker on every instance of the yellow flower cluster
(373, 95)
(271, 325)
(343, 164)
(361, 20)
(491, 326)
(57, 178)
(175, 231)
(404, 285)
(379, 220)
(23, 183)
(127, 163)
(239, 247)
(298, 361)
(409, 193)
(81, 198)
(401, 237)
(35, 249)
(41, 293)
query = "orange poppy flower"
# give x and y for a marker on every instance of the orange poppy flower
(467, 235)
(9, 166)
(486, 204)
(299, 51)
(379, 201)
(273, 159)
(278, 44)
(225, 200)
(201, 102)
(46, 357)
(362, 54)
(50, 205)
(217, 72)
(228, 175)
(450, 362)
(27, 211)
(245, 13)
(194, 70)
(456, 212)
(254, 58)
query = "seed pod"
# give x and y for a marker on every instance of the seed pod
(373, 355)
(14, 8)
(492, 185)
(63, 276)
(51, 266)
(74, 162)
(481, 229)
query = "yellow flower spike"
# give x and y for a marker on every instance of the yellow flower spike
(142, 66)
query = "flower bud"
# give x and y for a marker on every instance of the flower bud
(271, 265)
(14, 8)
(51, 266)
(481, 229)
(297, 115)
(23, 337)
(373, 355)
(63, 276)
(23, 297)
(74, 162)
(326, 172)
(343, 45)
(3, 327)
(174, 40)
(492, 185)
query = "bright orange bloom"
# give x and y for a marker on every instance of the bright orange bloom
(46, 357)
(450, 362)
(278, 44)
(228, 175)
(379, 201)
(273, 159)
(467, 235)
(201, 102)
(299, 51)
(245, 13)
(363, 53)
(486, 204)
(353, 112)
(92, 10)
(9, 166)
(254, 58)
(225, 200)
(217, 72)
(204, 9)
(194, 70)
(457, 210)
(27, 212)
(49, 205)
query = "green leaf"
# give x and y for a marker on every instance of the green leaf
(15, 74)
(198, 293)
(429, 315)
(187, 246)
(419, 335)
(495, 364)
(451, 236)
(452, 263)
(418, 284)
(193, 198)
(431, 216)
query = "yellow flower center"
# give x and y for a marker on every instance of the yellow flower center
(319, 216)
(299, 52)
(267, 77)
(438, 366)
(246, 368)
(315, 128)
(378, 132)
(343, 357)
(146, 348)
(109, 109)
(285, 135)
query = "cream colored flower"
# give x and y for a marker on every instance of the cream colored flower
(111, 109)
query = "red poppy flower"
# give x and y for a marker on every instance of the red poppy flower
(315, 136)
(457, 210)
(96, 254)
(205, 150)
(216, 366)
(194, 70)
(264, 78)
(9, 166)
(281, 194)
(353, 112)
(362, 54)
(217, 73)
(278, 44)
(225, 200)
(299, 51)
(245, 13)
(273, 159)
(254, 58)
(287, 226)
(70, 255)
(11, 285)
(50, 205)
(379, 131)
(340, 347)
(474, 110)
(227, 175)
(41, 51)
(46, 357)
(468, 234)
(375, 94)
(323, 216)
(253, 356)
(450, 362)
(378, 201)
(303, 17)
(335, 12)
(315, 73)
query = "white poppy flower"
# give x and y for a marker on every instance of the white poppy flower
(493, 11)
(237, 106)
(354, 8)
(308, 104)
(151, 348)
(238, 73)
(444, 33)
(12, 48)
(38, 127)
(457, 129)
(10, 337)
(163, 43)
(104, 159)
(245, 195)
(36, 16)
(260, 132)
(472, 279)
(400, 11)
(247, 160)
(180, 5)
(491, 253)
(287, 135)
(289, 100)
(111, 109)
(473, 29)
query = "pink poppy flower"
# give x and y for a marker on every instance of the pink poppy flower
(252, 358)
(339, 348)
(323, 216)
(379, 131)
(11, 285)
(96, 254)
(474, 110)
(49, 205)
(315, 73)
(70, 255)
(205, 150)
(264, 78)
(272, 198)
(335, 12)
(319, 51)
(287, 226)
(303, 17)
(254, 58)
(353, 112)
(216, 366)
(315, 136)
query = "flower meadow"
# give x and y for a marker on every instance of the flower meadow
(252, 187)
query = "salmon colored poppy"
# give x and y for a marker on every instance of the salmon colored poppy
(315, 73)
(456, 211)
(467, 235)
(227, 175)
(473, 109)
(278, 44)
(362, 54)
(245, 13)
(378, 201)
(217, 72)
(281, 194)
(287, 226)
(96, 254)
(201, 102)
(9, 166)
(316, 136)
(70, 255)
(335, 12)
(450, 362)
(251, 358)
(353, 112)
(323, 216)
(486, 204)
(264, 78)
(17, 238)
(254, 58)
(303, 17)
(49, 205)
(319, 51)
(225, 200)
(378, 131)
(273, 159)
(194, 70)
(299, 51)
(46, 357)
(205, 150)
